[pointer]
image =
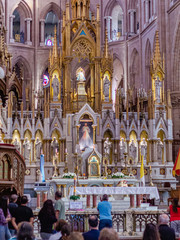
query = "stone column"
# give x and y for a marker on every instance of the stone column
(33, 152)
(92, 84)
(94, 201)
(28, 24)
(132, 11)
(11, 29)
(138, 157)
(42, 21)
(147, 11)
(94, 134)
(138, 200)
(131, 201)
(38, 200)
(64, 188)
(88, 197)
(77, 132)
(108, 26)
(154, 7)
(45, 195)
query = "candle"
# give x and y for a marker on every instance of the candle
(115, 151)
(150, 167)
(66, 150)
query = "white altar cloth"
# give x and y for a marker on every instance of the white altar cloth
(152, 191)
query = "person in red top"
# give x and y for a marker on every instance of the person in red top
(174, 210)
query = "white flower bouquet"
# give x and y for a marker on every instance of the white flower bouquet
(69, 175)
(118, 175)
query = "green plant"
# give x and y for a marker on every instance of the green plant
(74, 197)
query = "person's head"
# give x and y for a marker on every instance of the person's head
(4, 201)
(60, 224)
(151, 232)
(75, 236)
(48, 207)
(93, 221)
(108, 234)
(105, 197)
(13, 198)
(65, 231)
(25, 231)
(163, 219)
(58, 195)
(24, 200)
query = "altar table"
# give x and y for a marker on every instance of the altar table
(151, 191)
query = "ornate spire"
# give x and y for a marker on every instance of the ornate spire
(106, 47)
(55, 47)
(157, 62)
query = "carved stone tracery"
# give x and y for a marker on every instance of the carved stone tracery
(81, 49)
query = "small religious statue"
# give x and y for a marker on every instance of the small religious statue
(107, 146)
(133, 150)
(160, 147)
(106, 89)
(55, 146)
(144, 150)
(122, 146)
(80, 75)
(16, 144)
(158, 85)
(38, 147)
(55, 164)
(27, 149)
(55, 86)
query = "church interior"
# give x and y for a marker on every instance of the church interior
(93, 86)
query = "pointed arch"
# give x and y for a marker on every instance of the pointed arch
(22, 63)
(51, 7)
(147, 65)
(134, 69)
(23, 8)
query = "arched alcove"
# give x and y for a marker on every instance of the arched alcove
(117, 79)
(51, 21)
(176, 69)
(117, 22)
(18, 27)
(147, 84)
(23, 71)
(134, 70)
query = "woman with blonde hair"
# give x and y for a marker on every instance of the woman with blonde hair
(108, 234)
(65, 231)
(76, 236)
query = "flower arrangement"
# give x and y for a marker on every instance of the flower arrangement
(69, 175)
(74, 197)
(118, 175)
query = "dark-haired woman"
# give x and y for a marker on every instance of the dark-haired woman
(151, 232)
(47, 219)
(5, 217)
(174, 210)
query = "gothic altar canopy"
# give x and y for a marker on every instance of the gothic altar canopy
(75, 113)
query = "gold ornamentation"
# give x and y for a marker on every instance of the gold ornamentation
(82, 49)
